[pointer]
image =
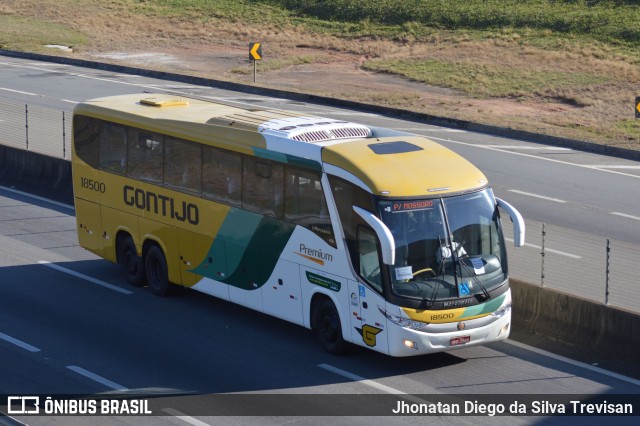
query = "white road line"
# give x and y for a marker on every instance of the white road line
(96, 378)
(355, 113)
(575, 363)
(619, 166)
(429, 129)
(69, 101)
(535, 157)
(35, 197)
(378, 386)
(550, 250)
(187, 419)
(84, 277)
(628, 216)
(542, 197)
(533, 148)
(18, 91)
(361, 379)
(19, 343)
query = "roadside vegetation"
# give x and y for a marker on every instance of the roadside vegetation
(567, 68)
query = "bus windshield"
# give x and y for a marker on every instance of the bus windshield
(446, 248)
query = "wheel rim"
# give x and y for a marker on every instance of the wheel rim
(329, 327)
(130, 262)
(155, 272)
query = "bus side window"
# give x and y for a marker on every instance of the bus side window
(305, 204)
(263, 187)
(182, 163)
(86, 137)
(113, 149)
(369, 257)
(144, 153)
(221, 176)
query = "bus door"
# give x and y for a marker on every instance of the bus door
(372, 322)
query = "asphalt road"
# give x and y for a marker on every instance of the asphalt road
(73, 326)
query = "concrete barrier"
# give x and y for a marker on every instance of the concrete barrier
(47, 176)
(611, 332)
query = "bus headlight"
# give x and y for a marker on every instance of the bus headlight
(402, 322)
(503, 310)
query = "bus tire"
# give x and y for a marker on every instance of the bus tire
(328, 328)
(155, 266)
(132, 264)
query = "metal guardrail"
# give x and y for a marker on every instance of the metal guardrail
(585, 265)
(34, 128)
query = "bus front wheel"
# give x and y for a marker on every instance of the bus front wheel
(132, 263)
(328, 328)
(155, 266)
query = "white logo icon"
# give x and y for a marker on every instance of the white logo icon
(23, 405)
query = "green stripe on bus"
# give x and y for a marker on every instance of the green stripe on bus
(484, 308)
(250, 244)
(287, 159)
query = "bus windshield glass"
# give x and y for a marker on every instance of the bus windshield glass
(446, 248)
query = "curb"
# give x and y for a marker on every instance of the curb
(388, 111)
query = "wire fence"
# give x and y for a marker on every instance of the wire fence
(589, 266)
(585, 265)
(34, 128)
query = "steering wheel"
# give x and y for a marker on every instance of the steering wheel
(422, 271)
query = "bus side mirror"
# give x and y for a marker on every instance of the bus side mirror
(518, 222)
(387, 243)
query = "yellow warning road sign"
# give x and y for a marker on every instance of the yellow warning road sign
(255, 51)
(637, 106)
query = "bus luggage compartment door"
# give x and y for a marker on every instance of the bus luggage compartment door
(89, 222)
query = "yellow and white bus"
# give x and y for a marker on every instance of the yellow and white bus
(365, 235)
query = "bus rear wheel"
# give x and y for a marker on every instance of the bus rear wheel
(328, 328)
(155, 266)
(132, 263)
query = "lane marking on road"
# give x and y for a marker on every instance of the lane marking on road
(35, 197)
(535, 157)
(379, 386)
(18, 91)
(542, 197)
(69, 101)
(617, 166)
(547, 249)
(187, 419)
(97, 378)
(371, 383)
(532, 148)
(429, 129)
(84, 277)
(575, 363)
(361, 379)
(19, 343)
(628, 216)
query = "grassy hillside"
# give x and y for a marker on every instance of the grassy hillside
(563, 67)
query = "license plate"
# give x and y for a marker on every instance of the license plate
(459, 340)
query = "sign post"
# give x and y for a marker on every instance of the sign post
(255, 54)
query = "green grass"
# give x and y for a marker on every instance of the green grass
(31, 34)
(480, 80)
(606, 20)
